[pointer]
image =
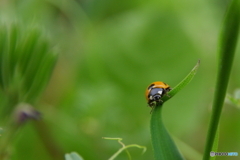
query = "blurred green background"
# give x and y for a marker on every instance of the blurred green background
(109, 52)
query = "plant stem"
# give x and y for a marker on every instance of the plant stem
(6, 141)
(53, 149)
(228, 41)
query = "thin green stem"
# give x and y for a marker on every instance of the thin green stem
(228, 41)
(48, 141)
(124, 148)
(6, 141)
(9, 131)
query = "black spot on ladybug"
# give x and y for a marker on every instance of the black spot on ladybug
(150, 87)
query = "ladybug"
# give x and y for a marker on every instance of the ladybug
(155, 91)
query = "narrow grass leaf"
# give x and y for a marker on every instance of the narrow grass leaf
(163, 145)
(215, 144)
(13, 38)
(26, 52)
(183, 83)
(41, 77)
(3, 40)
(227, 46)
(37, 60)
(5, 69)
(26, 63)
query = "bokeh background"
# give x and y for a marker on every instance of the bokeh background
(109, 52)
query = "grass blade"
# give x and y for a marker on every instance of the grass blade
(215, 144)
(227, 46)
(163, 145)
(183, 83)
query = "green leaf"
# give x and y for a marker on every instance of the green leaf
(182, 84)
(24, 53)
(3, 42)
(73, 156)
(4, 55)
(163, 145)
(227, 46)
(13, 40)
(26, 63)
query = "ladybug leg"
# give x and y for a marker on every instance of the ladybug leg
(168, 95)
(152, 109)
(160, 102)
(150, 103)
(169, 89)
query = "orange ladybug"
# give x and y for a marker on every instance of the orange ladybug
(155, 91)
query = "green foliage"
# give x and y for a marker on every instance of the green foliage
(73, 156)
(182, 84)
(234, 99)
(26, 61)
(215, 144)
(109, 52)
(163, 145)
(227, 47)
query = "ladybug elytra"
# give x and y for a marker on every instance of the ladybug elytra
(155, 91)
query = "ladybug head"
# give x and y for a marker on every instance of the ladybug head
(156, 93)
(156, 97)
